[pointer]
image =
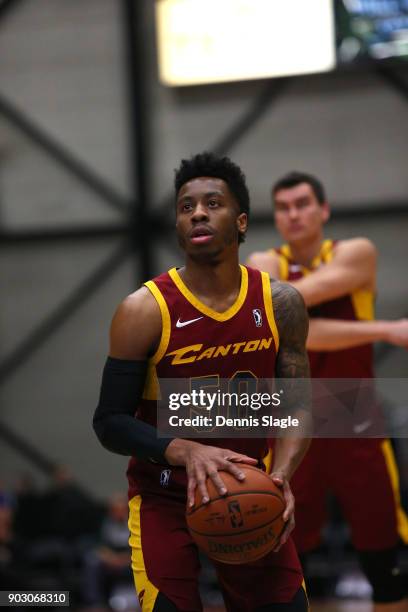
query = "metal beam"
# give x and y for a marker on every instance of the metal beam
(340, 211)
(134, 17)
(38, 336)
(62, 156)
(27, 450)
(258, 107)
(6, 6)
(236, 132)
(265, 219)
(51, 234)
(162, 225)
(393, 79)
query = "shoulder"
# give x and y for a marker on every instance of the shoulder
(355, 248)
(290, 312)
(136, 326)
(284, 293)
(268, 261)
(141, 303)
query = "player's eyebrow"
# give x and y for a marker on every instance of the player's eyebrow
(298, 200)
(208, 194)
(214, 193)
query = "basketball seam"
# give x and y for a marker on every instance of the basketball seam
(239, 533)
(233, 495)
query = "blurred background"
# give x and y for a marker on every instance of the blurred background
(99, 101)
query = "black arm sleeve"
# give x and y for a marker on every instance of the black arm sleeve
(114, 420)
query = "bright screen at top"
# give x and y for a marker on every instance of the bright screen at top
(375, 29)
(209, 41)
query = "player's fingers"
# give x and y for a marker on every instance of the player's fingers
(238, 458)
(283, 538)
(290, 507)
(191, 487)
(202, 487)
(289, 500)
(234, 470)
(214, 474)
(283, 484)
(278, 480)
(285, 534)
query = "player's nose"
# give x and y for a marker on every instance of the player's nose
(200, 212)
(293, 212)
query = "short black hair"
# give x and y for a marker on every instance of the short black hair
(292, 179)
(209, 164)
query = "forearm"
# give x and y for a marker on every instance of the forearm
(114, 420)
(336, 334)
(288, 454)
(321, 287)
(353, 267)
(125, 435)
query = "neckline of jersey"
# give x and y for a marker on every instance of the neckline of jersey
(323, 256)
(206, 310)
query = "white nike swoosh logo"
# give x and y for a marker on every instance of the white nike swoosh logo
(362, 426)
(184, 323)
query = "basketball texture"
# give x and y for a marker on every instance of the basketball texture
(243, 525)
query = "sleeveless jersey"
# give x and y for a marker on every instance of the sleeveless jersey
(356, 362)
(205, 346)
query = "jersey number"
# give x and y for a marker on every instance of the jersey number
(226, 402)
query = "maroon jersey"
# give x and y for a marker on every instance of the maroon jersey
(206, 347)
(360, 471)
(356, 362)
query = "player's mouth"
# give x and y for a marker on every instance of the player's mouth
(295, 227)
(201, 235)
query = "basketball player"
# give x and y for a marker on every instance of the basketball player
(337, 281)
(173, 327)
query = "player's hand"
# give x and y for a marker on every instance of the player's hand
(398, 333)
(202, 461)
(289, 514)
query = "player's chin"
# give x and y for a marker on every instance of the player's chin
(204, 253)
(296, 234)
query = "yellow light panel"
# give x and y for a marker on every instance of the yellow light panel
(209, 41)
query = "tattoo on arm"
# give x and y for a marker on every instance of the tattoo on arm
(292, 361)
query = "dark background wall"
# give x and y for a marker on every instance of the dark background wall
(63, 76)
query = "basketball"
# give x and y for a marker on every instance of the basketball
(243, 525)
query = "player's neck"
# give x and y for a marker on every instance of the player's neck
(304, 252)
(216, 284)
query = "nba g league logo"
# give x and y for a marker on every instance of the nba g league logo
(165, 477)
(257, 317)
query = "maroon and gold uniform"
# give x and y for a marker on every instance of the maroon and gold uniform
(361, 472)
(204, 346)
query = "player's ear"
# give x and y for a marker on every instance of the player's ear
(242, 223)
(325, 212)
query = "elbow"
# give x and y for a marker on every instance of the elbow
(108, 432)
(104, 430)
(99, 428)
(367, 246)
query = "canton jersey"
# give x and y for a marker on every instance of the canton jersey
(356, 362)
(206, 347)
